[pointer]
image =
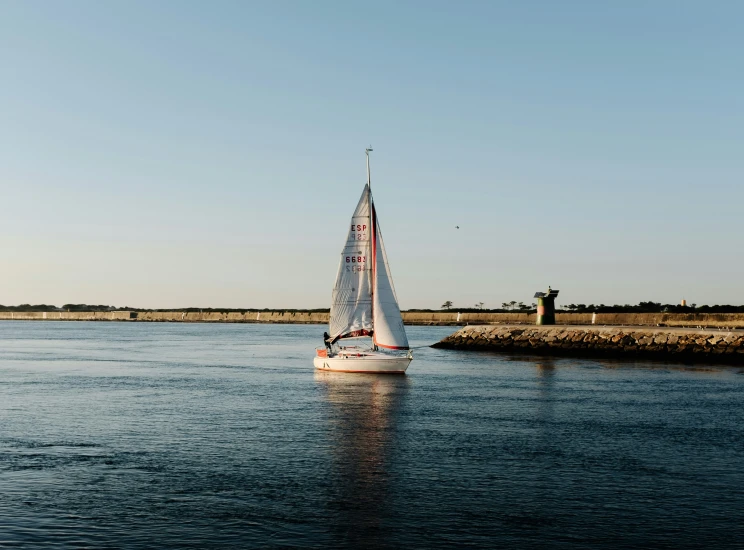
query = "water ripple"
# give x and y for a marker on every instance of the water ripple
(116, 435)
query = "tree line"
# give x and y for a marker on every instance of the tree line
(642, 307)
(66, 307)
(89, 307)
(653, 307)
(506, 307)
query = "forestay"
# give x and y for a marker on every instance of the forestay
(351, 305)
(389, 331)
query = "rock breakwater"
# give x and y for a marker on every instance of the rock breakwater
(715, 346)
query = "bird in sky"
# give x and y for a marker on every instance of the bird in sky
(457, 227)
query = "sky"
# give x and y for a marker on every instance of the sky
(175, 154)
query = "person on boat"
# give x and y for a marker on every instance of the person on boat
(327, 341)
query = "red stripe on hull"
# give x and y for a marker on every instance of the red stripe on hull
(389, 347)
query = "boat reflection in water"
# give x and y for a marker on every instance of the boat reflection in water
(362, 426)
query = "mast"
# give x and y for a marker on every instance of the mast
(373, 233)
(367, 151)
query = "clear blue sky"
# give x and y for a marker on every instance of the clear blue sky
(163, 154)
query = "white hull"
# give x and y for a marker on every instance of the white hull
(378, 364)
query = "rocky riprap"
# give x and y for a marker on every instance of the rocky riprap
(659, 343)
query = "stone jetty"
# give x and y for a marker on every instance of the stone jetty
(665, 343)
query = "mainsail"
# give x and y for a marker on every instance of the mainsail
(351, 306)
(388, 323)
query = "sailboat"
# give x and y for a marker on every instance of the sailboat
(366, 332)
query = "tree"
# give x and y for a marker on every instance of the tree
(447, 305)
(504, 305)
(522, 306)
(512, 304)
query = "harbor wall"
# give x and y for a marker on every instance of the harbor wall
(732, 320)
(677, 344)
(65, 315)
(280, 317)
(716, 320)
(170, 316)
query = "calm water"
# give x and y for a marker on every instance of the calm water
(195, 435)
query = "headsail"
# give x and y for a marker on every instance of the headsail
(388, 323)
(351, 306)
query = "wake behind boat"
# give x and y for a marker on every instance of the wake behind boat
(364, 306)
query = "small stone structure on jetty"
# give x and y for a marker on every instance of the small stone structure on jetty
(677, 344)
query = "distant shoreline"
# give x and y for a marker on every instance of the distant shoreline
(453, 318)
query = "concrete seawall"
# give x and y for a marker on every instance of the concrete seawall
(170, 316)
(677, 344)
(65, 315)
(277, 317)
(713, 320)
